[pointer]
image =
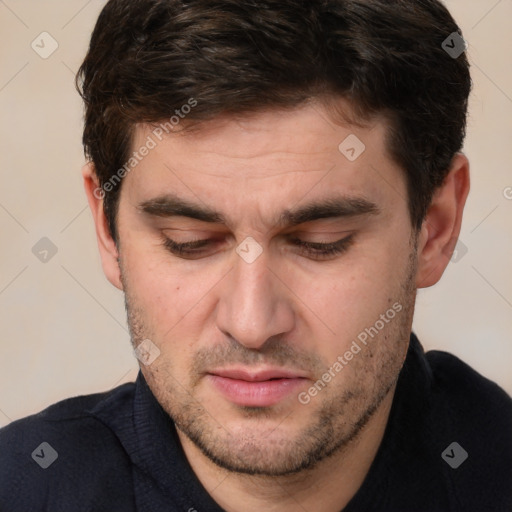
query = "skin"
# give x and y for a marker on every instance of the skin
(286, 309)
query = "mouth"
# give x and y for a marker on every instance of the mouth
(251, 388)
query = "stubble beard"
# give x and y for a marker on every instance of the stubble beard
(338, 415)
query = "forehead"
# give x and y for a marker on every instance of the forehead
(270, 157)
(308, 129)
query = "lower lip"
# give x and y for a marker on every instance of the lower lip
(255, 394)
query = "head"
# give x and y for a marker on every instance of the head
(271, 182)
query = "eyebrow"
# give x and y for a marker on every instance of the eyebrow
(170, 205)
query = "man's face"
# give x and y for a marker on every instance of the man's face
(248, 329)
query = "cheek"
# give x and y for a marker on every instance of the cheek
(175, 298)
(348, 298)
(153, 285)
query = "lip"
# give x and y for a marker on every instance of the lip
(250, 388)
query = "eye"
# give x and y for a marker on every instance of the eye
(185, 249)
(323, 250)
(315, 250)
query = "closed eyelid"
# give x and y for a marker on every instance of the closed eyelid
(314, 250)
(319, 237)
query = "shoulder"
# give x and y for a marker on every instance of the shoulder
(466, 390)
(473, 414)
(67, 418)
(64, 453)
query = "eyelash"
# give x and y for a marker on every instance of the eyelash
(324, 250)
(309, 249)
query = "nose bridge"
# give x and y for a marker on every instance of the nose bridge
(253, 307)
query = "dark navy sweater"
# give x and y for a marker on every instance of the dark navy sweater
(447, 447)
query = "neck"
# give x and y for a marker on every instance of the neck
(327, 487)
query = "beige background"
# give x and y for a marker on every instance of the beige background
(63, 325)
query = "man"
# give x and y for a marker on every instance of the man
(271, 182)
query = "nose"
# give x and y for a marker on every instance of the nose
(255, 304)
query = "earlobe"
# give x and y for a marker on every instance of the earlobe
(106, 244)
(441, 227)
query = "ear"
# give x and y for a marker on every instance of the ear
(441, 227)
(108, 249)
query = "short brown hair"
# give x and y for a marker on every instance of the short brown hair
(147, 58)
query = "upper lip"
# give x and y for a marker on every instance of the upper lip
(257, 375)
